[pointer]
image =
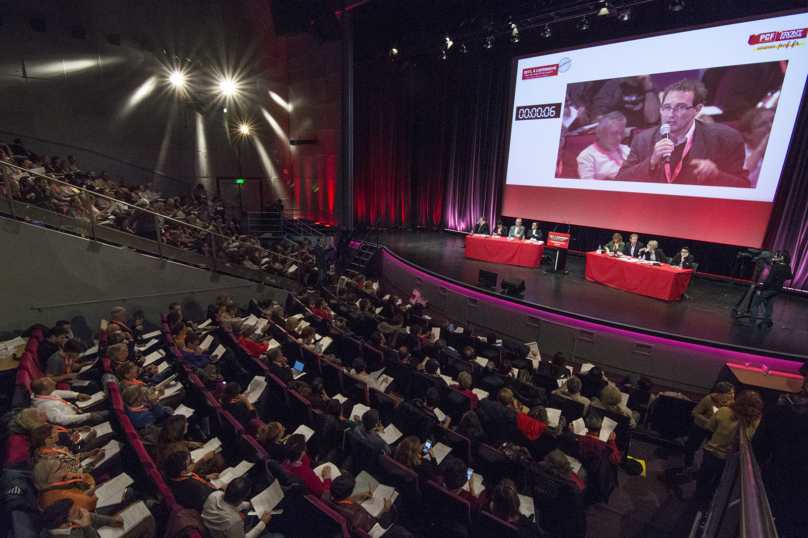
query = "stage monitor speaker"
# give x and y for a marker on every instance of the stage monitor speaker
(291, 16)
(488, 279)
(513, 286)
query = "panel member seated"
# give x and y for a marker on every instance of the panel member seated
(500, 230)
(683, 258)
(517, 231)
(700, 153)
(633, 247)
(481, 227)
(603, 159)
(534, 232)
(616, 244)
(653, 253)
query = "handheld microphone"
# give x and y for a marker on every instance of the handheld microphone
(665, 131)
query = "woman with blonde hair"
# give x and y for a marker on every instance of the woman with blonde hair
(653, 253)
(409, 453)
(611, 399)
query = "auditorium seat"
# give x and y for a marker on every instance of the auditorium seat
(671, 417)
(324, 521)
(570, 409)
(448, 514)
(355, 389)
(486, 524)
(17, 452)
(301, 409)
(460, 445)
(384, 404)
(622, 432)
(577, 143)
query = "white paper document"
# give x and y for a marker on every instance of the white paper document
(440, 414)
(478, 484)
(334, 470)
(377, 531)
(624, 398)
(436, 332)
(94, 399)
(184, 411)
(148, 344)
(256, 388)
(92, 351)
(441, 451)
(481, 394)
(110, 449)
(151, 334)
(204, 324)
(162, 367)
(579, 427)
(267, 499)
(324, 343)
(606, 429)
(231, 473)
(553, 416)
(132, 515)
(375, 504)
(101, 429)
(111, 492)
(391, 434)
(207, 342)
(214, 445)
(305, 431)
(359, 410)
(585, 367)
(526, 506)
(340, 398)
(218, 353)
(459, 330)
(85, 368)
(575, 464)
(482, 361)
(151, 357)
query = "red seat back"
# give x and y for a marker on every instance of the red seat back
(24, 379)
(17, 450)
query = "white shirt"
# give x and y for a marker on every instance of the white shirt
(222, 519)
(597, 163)
(58, 410)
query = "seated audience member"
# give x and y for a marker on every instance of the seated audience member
(683, 259)
(272, 439)
(117, 353)
(65, 364)
(534, 232)
(723, 395)
(517, 231)
(611, 400)
(499, 230)
(276, 314)
(556, 368)
(429, 404)
(321, 309)
(247, 340)
(591, 449)
(298, 465)
(193, 353)
(603, 159)
(291, 326)
(455, 476)
(616, 244)
(359, 370)
(237, 403)
(755, 127)
(471, 428)
(504, 505)
(31, 418)
(368, 432)
(222, 512)
(409, 453)
(278, 365)
(52, 344)
(633, 247)
(557, 464)
(432, 369)
(653, 253)
(571, 390)
(43, 445)
(340, 499)
(178, 332)
(64, 518)
(189, 489)
(498, 418)
(744, 412)
(464, 382)
(118, 317)
(307, 339)
(46, 398)
(230, 312)
(317, 396)
(54, 482)
(172, 440)
(142, 408)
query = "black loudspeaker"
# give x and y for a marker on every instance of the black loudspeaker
(513, 286)
(326, 26)
(291, 16)
(488, 279)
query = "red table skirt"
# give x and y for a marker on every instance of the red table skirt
(500, 250)
(663, 281)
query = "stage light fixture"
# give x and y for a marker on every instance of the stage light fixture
(676, 5)
(227, 87)
(583, 25)
(394, 51)
(224, 110)
(448, 43)
(625, 15)
(177, 79)
(463, 48)
(547, 33)
(443, 55)
(244, 129)
(514, 33)
(605, 9)
(489, 42)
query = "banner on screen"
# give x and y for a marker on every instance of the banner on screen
(683, 134)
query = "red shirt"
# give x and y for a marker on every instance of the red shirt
(321, 314)
(254, 348)
(590, 447)
(302, 470)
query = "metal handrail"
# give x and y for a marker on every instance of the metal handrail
(756, 515)
(225, 239)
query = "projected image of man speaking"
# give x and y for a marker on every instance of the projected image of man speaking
(684, 150)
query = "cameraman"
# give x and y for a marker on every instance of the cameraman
(771, 288)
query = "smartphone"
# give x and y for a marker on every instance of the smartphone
(427, 446)
(451, 328)
(470, 473)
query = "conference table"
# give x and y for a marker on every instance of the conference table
(501, 250)
(660, 281)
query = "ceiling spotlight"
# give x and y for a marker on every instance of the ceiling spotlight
(605, 9)
(463, 48)
(448, 43)
(625, 15)
(547, 32)
(244, 129)
(676, 5)
(583, 25)
(224, 110)
(177, 78)
(514, 33)
(228, 87)
(443, 55)
(489, 42)
(394, 51)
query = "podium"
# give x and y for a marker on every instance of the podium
(560, 242)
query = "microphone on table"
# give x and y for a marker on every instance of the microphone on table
(665, 131)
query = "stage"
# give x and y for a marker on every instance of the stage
(704, 319)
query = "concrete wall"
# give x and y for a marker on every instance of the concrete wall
(669, 362)
(47, 275)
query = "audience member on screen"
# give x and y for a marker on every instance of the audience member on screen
(653, 253)
(683, 258)
(633, 247)
(517, 230)
(700, 153)
(755, 127)
(635, 97)
(603, 159)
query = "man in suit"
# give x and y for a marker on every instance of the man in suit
(683, 258)
(699, 153)
(633, 247)
(534, 232)
(481, 227)
(517, 231)
(653, 253)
